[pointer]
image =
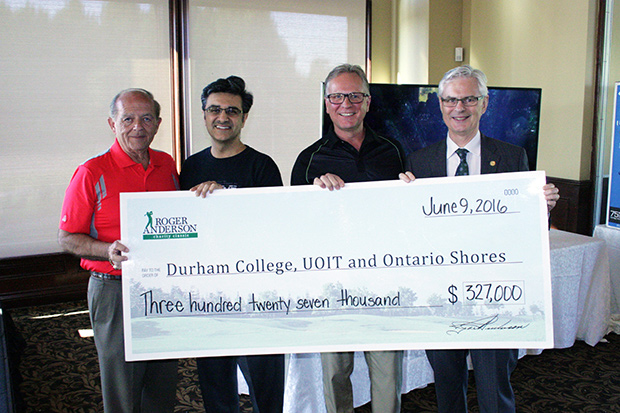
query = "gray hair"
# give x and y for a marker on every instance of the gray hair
(467, 72)
(347, 68)
(146, 93)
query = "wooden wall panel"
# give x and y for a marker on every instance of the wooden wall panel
(573, 212)
(41, 279)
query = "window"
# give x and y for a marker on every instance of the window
(62, 66)
(64, 60)
(283, 50)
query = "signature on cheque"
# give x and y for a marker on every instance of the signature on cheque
(485, 323)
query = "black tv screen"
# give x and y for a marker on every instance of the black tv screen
(411, 114)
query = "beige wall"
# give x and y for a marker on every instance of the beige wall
(446, 34)
(544, 44)
(523, 43)
(383, 42)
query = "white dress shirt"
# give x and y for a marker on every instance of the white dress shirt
(473, 156)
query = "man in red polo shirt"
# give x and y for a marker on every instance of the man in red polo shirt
(90, 229)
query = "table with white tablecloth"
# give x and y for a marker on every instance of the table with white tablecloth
(581, 311)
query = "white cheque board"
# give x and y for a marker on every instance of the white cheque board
(436, 263)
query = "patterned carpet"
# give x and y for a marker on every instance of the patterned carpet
(59, 372)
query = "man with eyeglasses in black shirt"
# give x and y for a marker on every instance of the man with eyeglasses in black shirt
(352, 152)
(229, 163)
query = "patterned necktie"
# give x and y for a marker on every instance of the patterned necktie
(463, 169)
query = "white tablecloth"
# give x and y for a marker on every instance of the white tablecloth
(581, 311)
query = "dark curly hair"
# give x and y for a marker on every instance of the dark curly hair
(233, 85)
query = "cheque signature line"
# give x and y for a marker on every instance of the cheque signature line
(485, 323)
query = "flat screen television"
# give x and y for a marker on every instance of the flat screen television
(411, 114)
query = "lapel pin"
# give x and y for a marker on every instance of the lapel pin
(492, 163)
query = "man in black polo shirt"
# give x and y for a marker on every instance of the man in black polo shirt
(351, 152)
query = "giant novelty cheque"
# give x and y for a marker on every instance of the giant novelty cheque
(436, 263)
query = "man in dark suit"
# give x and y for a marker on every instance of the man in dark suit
(463, 100)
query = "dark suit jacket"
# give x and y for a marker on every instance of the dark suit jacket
(496, 157)
(494, 366)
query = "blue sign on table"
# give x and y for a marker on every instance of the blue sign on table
(613, 199)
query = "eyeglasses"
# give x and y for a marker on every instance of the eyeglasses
(230, 111)
(466, 101)
(338, 98)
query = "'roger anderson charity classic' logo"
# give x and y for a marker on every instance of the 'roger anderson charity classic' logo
(168, 227)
